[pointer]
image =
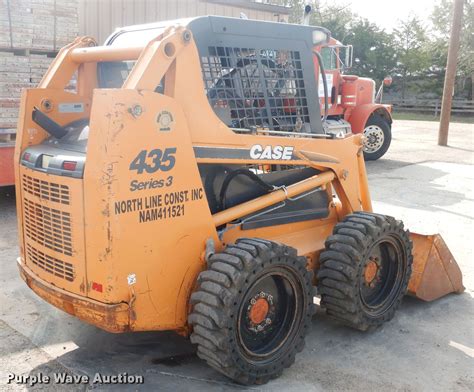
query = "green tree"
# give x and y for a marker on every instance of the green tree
(410, 44)
(297, 7)
(441, 19)
(373, 55)
(336, 18)
(412, 54)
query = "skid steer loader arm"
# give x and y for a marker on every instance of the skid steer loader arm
(435, 271)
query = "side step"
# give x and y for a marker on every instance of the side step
(435, 272)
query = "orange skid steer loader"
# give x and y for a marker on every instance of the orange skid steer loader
(189, 183)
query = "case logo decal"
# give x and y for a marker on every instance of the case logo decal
(269, 152)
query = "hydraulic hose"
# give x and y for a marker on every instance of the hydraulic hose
(325, 84)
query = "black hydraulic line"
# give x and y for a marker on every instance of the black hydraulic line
(325, 84)
(243, 172)
(48, 124)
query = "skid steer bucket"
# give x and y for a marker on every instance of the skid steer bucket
(435, 271)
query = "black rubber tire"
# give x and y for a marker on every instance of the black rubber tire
(217, 302)
(380, 121)
(343, 262)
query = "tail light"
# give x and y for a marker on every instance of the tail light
(69, 165)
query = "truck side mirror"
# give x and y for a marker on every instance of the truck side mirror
(348, 59)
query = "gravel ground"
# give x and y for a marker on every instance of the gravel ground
(427, 347)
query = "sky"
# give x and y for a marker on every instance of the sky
(386, 13)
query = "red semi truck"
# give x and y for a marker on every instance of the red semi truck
(353, 99)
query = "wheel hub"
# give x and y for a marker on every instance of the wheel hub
(260, 312)
(371, 272)
(374, 138)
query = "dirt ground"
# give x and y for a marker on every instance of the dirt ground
(427, 347)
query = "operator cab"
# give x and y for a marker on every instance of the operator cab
(258, 77)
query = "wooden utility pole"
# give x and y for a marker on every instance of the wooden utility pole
(450, 75)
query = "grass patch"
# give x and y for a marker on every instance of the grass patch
(430, 117)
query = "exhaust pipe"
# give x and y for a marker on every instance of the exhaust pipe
(306, 15)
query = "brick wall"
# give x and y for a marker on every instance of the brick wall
(31, 33)
(17, 73)
(38, 24)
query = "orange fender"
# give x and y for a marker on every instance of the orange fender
(359, 116)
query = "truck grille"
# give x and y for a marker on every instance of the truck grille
(50, 264)
(46, 190)
(48, 227)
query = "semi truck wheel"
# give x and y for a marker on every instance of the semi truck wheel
(252, 309)
(365, 269)
(378, 135)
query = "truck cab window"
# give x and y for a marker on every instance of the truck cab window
(329, 58)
